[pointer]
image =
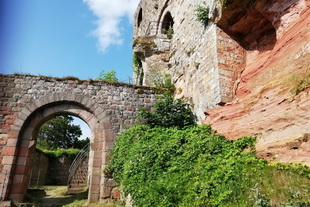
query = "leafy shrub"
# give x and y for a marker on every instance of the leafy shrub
(70, 153)
(163, 81)
(174, 167)
(170, 32)
(300, 84)
(169, 112)
(109, 76)
(202, 14)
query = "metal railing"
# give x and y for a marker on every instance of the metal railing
(84, 153)
(154, 28)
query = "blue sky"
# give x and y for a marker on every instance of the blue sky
(66, 37)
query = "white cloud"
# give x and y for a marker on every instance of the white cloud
(109, 13)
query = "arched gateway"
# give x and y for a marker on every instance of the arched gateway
(29, 101)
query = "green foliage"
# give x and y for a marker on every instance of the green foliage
(168, 112)
(137, 68)
(202, 14)
(170, 32)
(194, 165)
(109, 76)
(58, 133)
(70, 153)
(164, 81)
(136, 63)
(300, 84)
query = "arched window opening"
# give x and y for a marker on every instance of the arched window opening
(167, 24)
(140, 17)
(59, 141)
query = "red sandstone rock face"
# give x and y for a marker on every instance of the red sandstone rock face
(265, 106)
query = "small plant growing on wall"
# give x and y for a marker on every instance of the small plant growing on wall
(202, 14)
(170, 32)
(109, 76)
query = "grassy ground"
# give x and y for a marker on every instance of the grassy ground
(51, 196)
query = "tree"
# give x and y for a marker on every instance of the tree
(169, 112)
(58, 133)
(109, 76)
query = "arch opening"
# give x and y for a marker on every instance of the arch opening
(22, 164)
(58, 141)
(140, 17)
(167, 24)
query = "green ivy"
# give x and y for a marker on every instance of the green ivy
(195, 165)
(172, 167)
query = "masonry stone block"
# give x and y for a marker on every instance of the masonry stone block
(85, 115)
(108, 145)
(93, 197)
(96, 146)
(20, 179)
(8, 151)
(109, 135)
(106, 192)
(27, 135)
(19, 121)
(22, 170)
(97, 154)
(8, 160)
(96, 171)
(23, 161)
(49, 111)
(105, 157)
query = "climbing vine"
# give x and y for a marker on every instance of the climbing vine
(174, 167)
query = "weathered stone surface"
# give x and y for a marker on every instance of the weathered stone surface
(265, 104)
(238, 72)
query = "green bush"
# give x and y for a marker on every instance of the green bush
(168, 112)
(172, 167)
(71, 153)
(202, 14)
(109, 76)
(194, 165)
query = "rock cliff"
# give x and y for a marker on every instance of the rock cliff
(247, 73)
(272, 100)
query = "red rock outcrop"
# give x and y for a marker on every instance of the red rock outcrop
(272, 100)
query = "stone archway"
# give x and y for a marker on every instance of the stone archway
(29, 121)
(167, 23)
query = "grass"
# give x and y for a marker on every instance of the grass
(280, 186)
(56, 195)
(299, 83)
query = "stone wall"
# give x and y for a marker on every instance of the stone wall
(236, 73)
(26, 102)
(189, 56)
(49, 171)
(39, 170)
(58, 171)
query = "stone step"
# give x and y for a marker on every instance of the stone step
(5, 203)
(75, 189)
